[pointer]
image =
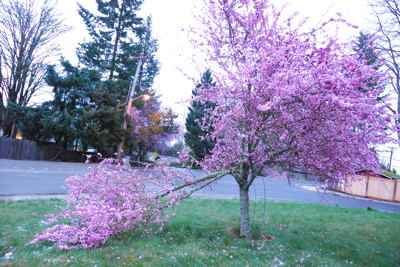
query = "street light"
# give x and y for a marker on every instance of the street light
(146, 97)
(129, 101)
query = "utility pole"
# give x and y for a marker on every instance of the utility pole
(128, 106)
(390, 161)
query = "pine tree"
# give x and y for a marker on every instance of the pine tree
(150, 68)
(195, 137)
(364, 47)
(89, 101)
(71, 92)
(367, 53)
(118, 35)
(30, 121)
(85, 110)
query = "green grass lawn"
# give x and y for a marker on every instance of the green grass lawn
(204, 233)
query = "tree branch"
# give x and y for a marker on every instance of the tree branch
(214, 176)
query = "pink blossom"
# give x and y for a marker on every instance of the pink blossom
(285, 98)
(109, 200)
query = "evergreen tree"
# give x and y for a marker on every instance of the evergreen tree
(110, 30)
(367, 53)
(89, 101)
(30, 121)
(364, 47)
(85, 110)
(118, 35)
(71, 98)
(150, 68)
(195, 136)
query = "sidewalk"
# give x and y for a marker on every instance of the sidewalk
(317, 189)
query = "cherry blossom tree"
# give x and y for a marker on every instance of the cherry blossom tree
(286, 97)
(283, 97)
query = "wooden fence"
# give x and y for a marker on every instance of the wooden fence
(372, 187)
(11, 148)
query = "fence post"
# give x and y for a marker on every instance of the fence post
(396, 181)
(366, 188)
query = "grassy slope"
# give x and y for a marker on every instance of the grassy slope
(203, 233)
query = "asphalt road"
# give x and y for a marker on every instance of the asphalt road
(19, 177)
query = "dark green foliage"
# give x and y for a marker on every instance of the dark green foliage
(367, 52)
(89, 101)
(366, 49)
(29, 120)
(85, 110)
(195, 136)
(70, 100)
(150, 68)
(118, 35)
(109, 31)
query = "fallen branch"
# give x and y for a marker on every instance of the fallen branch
(201, 187)
(214, 176)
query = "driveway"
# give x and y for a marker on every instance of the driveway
(19, 177)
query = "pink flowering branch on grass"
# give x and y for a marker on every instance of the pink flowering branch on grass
(112, 199)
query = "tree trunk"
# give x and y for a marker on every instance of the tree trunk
(13, 130)
(244, 212)
(141, 157)
(117, 37)
(65, 144)
(398, 120)
(143, 154)
(7, 123)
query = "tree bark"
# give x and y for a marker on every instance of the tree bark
(7, 123)
(117, 37)
(398, 120)
(244, 212)
(208, 177)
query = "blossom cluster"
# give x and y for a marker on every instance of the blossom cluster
(108, 200)
(287, 96)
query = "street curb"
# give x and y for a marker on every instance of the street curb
(363, 198)
(32, 197)
(351, 196)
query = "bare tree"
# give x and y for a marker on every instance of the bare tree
(27, 33)
(387, 21)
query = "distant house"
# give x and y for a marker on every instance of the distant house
(374, 184)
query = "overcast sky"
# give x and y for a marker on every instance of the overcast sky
(170, 17)
(175, 53)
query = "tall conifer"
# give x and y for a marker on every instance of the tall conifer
(195, 136)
